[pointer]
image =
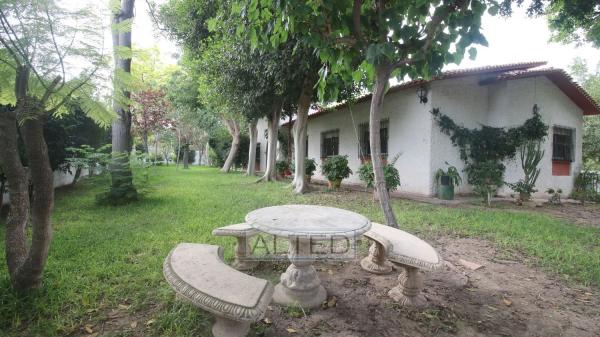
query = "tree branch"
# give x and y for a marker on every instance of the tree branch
(60, 59)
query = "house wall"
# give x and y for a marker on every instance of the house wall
(505, 104)
(409, 136)
(511, 103)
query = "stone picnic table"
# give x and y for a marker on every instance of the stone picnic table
(302, 225)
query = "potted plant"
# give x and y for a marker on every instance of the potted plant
(391, 174)
(335, 168)
(283, 168)
(310, 166)
(446, 181)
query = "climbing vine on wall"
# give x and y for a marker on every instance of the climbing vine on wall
(484, 149)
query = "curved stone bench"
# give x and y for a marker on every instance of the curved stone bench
(243, 252)
(405, 250)
(199, 275)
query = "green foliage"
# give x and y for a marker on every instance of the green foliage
(586, 186)
(310, 166)
(531, 156)
(483, 149)
(71, 130)
(121, 249)
(335, 168)
(574, 21)
(390, 172)
(590, 81)
(220, 143)
(406, 37)
(281, 167)
(451, 173)
(555, 196)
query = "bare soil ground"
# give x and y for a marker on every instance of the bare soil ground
(504, 298)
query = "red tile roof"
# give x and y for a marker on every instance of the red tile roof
(503, 72)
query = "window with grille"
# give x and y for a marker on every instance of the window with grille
(364, 149)
(562, 144)
(330, 142)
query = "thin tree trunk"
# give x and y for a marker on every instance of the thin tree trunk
(253, 132)
(300, 128)
(178, 148)
(145, 140)
(2, 190)
(273, 130)
(77, 175)
(42, 179)
(186, 156)
(121, 175)
(289, 142)
(234, 130)
(18, 185)
(382, 77)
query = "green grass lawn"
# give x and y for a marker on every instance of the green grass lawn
(105, 256)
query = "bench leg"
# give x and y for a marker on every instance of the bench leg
(242, 252)
(225, 327)
(376, 262)
(408, 290)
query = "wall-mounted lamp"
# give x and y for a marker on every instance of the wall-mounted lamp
(422, 94)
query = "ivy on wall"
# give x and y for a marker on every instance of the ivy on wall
(485, 148)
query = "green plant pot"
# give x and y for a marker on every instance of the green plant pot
(446, 192)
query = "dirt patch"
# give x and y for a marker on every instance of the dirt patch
(504, 298)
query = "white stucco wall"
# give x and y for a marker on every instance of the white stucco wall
(409, 135)
(415, 135)
(60, 179)
(506, 104)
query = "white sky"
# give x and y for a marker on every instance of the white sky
(516, 39)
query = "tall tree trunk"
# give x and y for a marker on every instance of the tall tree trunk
(289, 142)
(299, 183)
(273, 132)
(382, 77)
(42, 179)
(18, 185)
(145, 140)
(234, 130)
(186, 156)
(78, 174)
(253, 132)
(2, 190)
(121, 175)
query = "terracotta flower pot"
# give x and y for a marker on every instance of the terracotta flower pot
(335, 184)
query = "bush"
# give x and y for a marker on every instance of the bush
(391, 174)
(335, 168)
(282, 166)
(454, 178)
(586, 186)
(310, 166)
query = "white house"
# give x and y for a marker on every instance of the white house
(500, 96)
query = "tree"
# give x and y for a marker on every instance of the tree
(149, 113)
(375, 40)
(37, 88)
(590, 81)
(574, 20)
(122, 189)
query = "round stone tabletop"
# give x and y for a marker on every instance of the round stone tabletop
(308, 220)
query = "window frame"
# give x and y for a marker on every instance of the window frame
(364, 146)
(566, 147)
(330, 134)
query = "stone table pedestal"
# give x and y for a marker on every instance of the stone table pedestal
(305, 226)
